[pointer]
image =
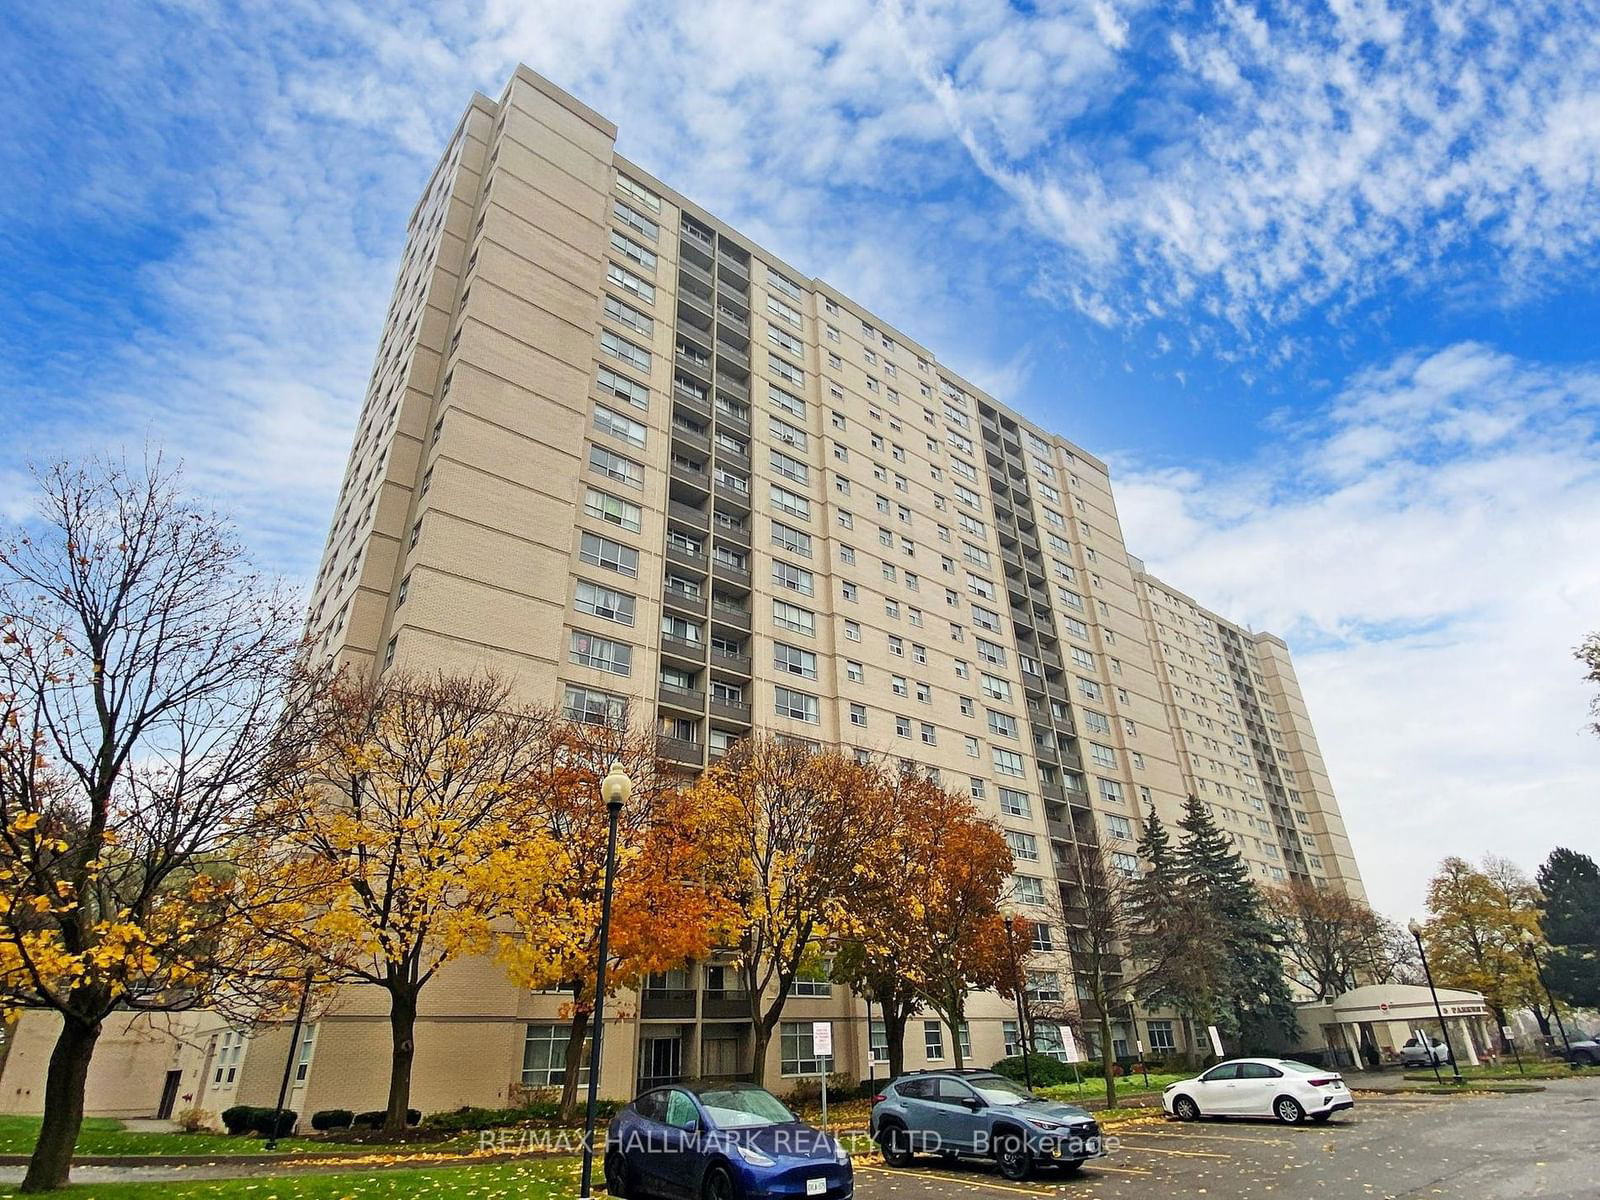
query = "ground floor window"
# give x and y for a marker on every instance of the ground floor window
(797, 1054)
(880, 1042)
(1047, 1039)
(544, 1056)
(933, 1040)
(1161, 1037)
(1013, 1045)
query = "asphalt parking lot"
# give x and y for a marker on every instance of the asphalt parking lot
(1544, 1145)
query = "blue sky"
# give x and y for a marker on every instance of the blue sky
(1318, 281)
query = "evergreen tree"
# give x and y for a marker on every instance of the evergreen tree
(1570, 882)
(1251, 1002)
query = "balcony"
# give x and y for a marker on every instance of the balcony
(694, 272)
(667, 1004)
(682, 650)
(735, 534)
(683, 437)
(735, 711)
(732, 664)
(680, 750)
(693, 400)
(683, 603)
(694, 479)
(733, 389)
(689, 700)
(698, 235)
(689, 514)
(693, 561)
(724, 1005)
(733, 496)
(733, 318)
(735, 617)
(728, 456)
(728, 353)
(1052, 791)
(738, 267)
(732, 422)
(702, 304)
(726, 572)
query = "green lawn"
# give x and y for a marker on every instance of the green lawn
(543, 1179)
(1531, 1069)
(105, 1135)
(1094, 1088)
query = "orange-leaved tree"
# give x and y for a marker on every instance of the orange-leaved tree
(670, 902)
(803, 822)
(950, 868)
(401, 811)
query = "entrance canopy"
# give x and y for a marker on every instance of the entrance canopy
(1402, 1002)
(1371, 1023)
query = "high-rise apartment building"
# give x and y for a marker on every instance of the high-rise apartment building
(621, 453)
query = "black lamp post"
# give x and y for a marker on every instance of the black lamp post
(616, 787)
(1022, 1020)
(288, 1065)
(1455, 1067)
(1530, 948)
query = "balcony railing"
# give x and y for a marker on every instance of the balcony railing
(667, 1004)
(688, 699)
(724, 1005)
(680, 750)
(731, 710)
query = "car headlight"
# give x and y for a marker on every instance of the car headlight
(1037, 1123)
(840, 1154)
(753, 1156)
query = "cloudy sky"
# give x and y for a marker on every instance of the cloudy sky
(1317, 279)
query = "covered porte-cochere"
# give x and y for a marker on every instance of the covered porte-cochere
(1367, 1026)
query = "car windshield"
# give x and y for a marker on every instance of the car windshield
(1289, 1064)
(998, 1090)
(744, 1108)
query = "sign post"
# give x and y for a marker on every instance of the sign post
(1216, 1041)
(1511, 1040)
(822, 1047)
(1143, 1066)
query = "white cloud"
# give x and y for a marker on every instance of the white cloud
(1427, 546)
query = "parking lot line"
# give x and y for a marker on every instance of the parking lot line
(956, 1179)
(1206, 1137)
(1099, 1166)
(1185, 1153)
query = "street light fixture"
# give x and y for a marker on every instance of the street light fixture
(1530, 946)
(1022, 1020)
(615, 790)
(1416, 932)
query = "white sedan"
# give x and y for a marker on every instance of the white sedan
(1259, 1087)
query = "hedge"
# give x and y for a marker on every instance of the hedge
(375, 1118)
(332, 1118)
(247, 1118)
(468, 1117)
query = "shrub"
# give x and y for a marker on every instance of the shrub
(194, 1120)
(840, 1087)
(1044, 1069)
(469, 1118)
(332, 1118)
(247, 1118)
(374, 1119)
(236, 1120)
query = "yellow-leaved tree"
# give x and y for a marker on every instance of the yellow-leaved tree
(402, 812)
(140, 659)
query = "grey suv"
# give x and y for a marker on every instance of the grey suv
(979, 1113)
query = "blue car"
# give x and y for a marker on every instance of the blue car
(721, 1141)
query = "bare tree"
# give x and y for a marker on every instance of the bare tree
(140, 657)
(1331, 939)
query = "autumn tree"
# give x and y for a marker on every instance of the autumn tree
(940, 887)
(867, 967)
(140, 655)
(1394, 957)
(1477, 917)
(1329, 938)
(673, 886)
(803, 821)
(1570, 884)
(401, 812)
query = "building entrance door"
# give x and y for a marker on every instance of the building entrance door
(169, 1095)
(661, 1061)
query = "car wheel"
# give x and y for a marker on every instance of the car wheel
(1185, 1109)
(619, 1180)
(719, 1185)
(1287, 1109)
(1585, 1059)
(895, 1146)
(1012, 1157)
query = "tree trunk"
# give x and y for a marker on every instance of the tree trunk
(1543, 1018)
(63, 1106)
(760, 1037)
(403, 1047)
(1500, 1023)
(573, 1063)
(894, 1030)
(1108, 1058)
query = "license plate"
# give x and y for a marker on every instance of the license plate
(816, 1187)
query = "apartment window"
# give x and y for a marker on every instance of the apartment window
(970, 745)
(897, 646)
(603, 602)
(933, 1041)
(1027, 889)
(544, 1056)
(1024, 846)
(1002, 724)
(786, 433)
(608, 420)
(792, 660)
(1111, 791)
(847, 554)
(1007, 762)
(594, 707)
(625, 278)
(620, 347)
(640, 193)
(924, 692)
(991, 652)
(790, 539)
(783, 284)
(930, 736)
(797, 1053)
(786, 501)
(796, 579)
(1126, 865)
(1014, 803)
(996, 688)
(400, 593)
(603, 654)
(781, 310)
(902, 727)
(854, 671)
(1105, 756)
(684, 631)
(852, 631)
(848, 591)
(794, 618)
(846, 520)
(968, 707)
(1095, 722)
(1089, 689)
(785, 371)
(858, 715)
(602, 552)
(614, 466)
(790, 468)
(612, 509)
(1119, 828)
(631, 249)
(797, 706)
(627, 314)
(898, 684)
